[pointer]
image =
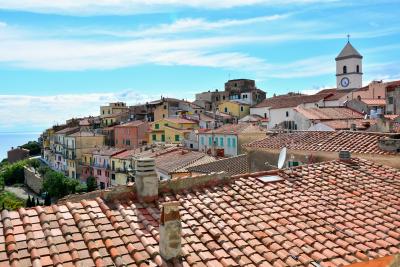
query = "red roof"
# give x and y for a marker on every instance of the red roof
(332, 213)
(374, 101)
(131, 124)
(286, 101)
(336, 113)
(234, 129)
(356, 142)
(180, 120)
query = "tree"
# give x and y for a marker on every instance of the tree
(35, 163)
(29, 202)
(91, 183)
(33, 202)
(57, 185)
(37, 202)
(34, 148)
(13, 173)
(47, 200)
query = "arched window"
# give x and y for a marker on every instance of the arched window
(344, 69)
(358, 68)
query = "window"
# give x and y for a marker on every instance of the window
(98, 172)
(165, 106)
(113, 176)
(358, 68)
(103, 111)
(162, 138)
(157, 126)
(225, 109)
(233, 142)
(223, 97)
(154, 137)
(202, 140)
(166, 124)
(344, 69)
(241, 108)
(390, 100)
(287, 113)
(177, 137)
(163, 115)
(265, 115)
(221, 141)
(128, 142)
(229, 142)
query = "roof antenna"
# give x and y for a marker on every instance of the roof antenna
(348, 38)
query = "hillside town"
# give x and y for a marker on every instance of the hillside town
(237, 177)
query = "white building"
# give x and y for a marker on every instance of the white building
(349, 68)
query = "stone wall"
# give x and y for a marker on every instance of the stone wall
(389, 144)
(33, 180)
(124, 192)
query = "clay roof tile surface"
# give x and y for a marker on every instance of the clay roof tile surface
(353, 141)
(332, 213)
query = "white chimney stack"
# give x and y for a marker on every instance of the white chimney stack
(146, 180)
(170, 231)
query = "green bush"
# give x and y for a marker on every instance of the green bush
(10, 201)
(57, 185)
(13, 173)
(91, 183)
(34, 148)
(35, 163)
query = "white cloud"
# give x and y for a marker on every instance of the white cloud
(192, 25)
(27, 112)
(122, 7)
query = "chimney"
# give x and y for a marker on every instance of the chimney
(345, 156)
(170, 230)
(146, 180)
(353, 127)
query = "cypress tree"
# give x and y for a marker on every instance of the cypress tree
(37, 202)
(29, 202)
(47, 200)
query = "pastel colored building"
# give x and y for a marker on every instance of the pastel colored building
(229, 138)
(75, 145)
(131, 135)
(171, 130)
(101, 165)
(113, 108)
(121, 165)
(235, 108)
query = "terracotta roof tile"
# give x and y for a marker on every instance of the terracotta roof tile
(334, 213)
(355, 142)
(232, 166)
(285, 101)
(331, 113)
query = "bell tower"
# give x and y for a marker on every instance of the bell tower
(349, 68)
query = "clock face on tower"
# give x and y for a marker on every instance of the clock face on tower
(345, 82)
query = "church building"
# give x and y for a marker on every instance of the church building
(349, 68)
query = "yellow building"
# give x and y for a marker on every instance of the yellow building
(171, 130)
(234, 108)
(75, 145)
(113, 108)
(121, 165)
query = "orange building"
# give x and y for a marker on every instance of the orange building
(130, 135)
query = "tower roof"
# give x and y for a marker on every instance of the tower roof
(348, 52)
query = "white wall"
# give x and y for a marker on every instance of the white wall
(231, 150)
(355, 78)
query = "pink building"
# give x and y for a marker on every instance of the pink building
(130, 135)
(101, 165)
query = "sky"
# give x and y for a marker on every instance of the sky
(63, 59)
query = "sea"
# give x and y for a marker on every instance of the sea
(14, 139)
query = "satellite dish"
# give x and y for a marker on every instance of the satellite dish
(282, 158)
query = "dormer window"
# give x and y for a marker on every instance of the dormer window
(344, 69)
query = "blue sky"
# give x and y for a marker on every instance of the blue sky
(61, 59)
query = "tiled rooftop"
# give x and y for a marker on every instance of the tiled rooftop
(130, 124)
(287, 101)
(232, 166)
(234, 129)
(374, 102)
(177, 159)
(333, 213)
(333, 113)
(107, 151)
(361, 124)
(355, 142)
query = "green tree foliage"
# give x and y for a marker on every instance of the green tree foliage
(34, 147)
(10, 201)
(47, 200)
(57, 185)
(91, 184)
(13, 173)
(35, 163)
